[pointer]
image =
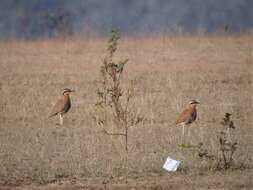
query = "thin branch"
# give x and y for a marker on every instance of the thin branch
(114, 134)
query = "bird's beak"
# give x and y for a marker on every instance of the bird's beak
(197, 102)
(72, 91)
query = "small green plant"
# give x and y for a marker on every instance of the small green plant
(227, 146)
(111, 96)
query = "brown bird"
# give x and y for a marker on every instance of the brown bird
(189, 115)
(63, 105)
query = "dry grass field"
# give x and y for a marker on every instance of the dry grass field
(36, 153)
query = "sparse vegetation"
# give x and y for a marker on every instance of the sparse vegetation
(227, 145)
(113, 101)
(166, 71)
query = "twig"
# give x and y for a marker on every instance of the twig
(114, 134)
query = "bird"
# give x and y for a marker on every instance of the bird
(63, 105)
(188, 116)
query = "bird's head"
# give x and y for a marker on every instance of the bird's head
(193, 103)
(66, 91)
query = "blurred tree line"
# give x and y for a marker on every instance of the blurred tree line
(51, 18)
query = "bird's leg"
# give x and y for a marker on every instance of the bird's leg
(61, 119)
(201, 132)
(183, 132)
(189, 132)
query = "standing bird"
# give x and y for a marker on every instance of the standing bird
(188, 115)
(63, 105)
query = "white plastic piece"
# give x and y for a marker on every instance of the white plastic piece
(171, 165)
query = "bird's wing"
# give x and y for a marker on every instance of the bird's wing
(58, 107)
(184, 116)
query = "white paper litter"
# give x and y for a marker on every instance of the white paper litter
(171, 165)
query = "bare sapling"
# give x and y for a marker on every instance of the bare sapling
(112, 98)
